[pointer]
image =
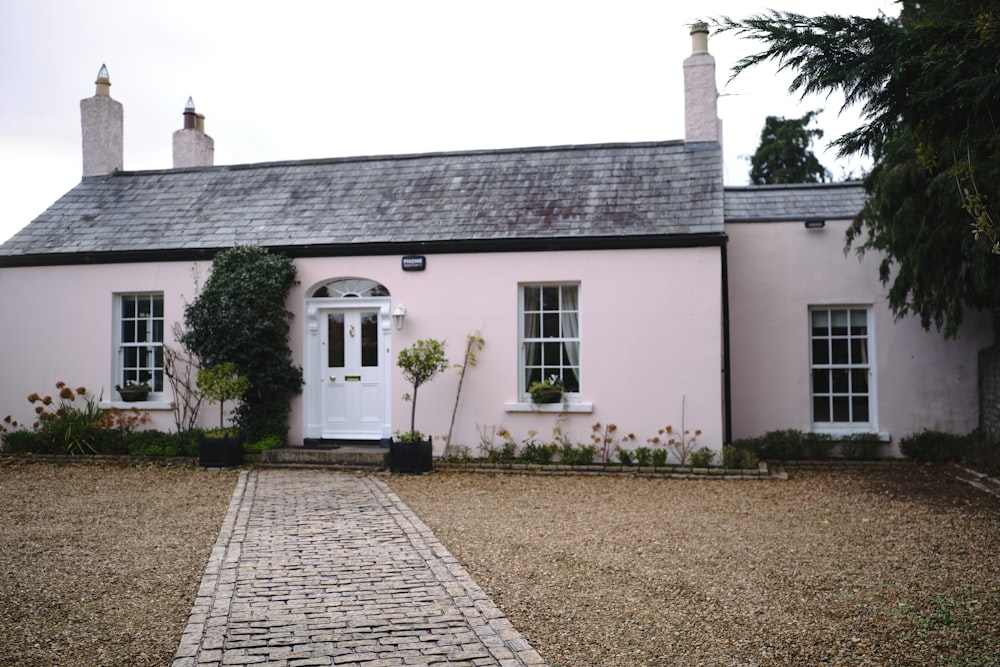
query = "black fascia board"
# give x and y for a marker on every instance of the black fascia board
(471, 246)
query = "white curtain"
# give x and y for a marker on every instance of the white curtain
(571, 325)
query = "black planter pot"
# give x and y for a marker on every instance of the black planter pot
(411, 456)
(215, 452)
(133, 395)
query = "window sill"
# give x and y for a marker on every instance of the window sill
(141, 405)
(549, 407)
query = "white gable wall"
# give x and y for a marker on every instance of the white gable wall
(777, 271)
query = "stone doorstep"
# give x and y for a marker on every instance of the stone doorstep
(341, 457)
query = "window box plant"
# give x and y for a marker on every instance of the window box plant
(133, 391)
(410, 451)
(549, 390)
(221, 447)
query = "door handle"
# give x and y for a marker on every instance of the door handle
(333, 378)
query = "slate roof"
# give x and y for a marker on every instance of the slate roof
(601, 192)
(776, 203)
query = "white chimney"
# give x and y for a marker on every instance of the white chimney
(701, 109)
(192, 147)
(103, 123)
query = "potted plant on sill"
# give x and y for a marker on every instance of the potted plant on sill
(221, 447)
(410, 452)
(549, 390)
(133, 391)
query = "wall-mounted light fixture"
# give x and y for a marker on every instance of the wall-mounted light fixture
(398, 316)
(815, 224)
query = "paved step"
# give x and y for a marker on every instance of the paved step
(350, 456)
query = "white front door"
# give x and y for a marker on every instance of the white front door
(352, 374)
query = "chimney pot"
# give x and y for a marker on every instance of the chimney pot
(103, 82)
(699, 39)
(190, 117)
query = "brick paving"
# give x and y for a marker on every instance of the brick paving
(315, 567)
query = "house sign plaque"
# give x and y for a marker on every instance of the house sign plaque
(414, 263)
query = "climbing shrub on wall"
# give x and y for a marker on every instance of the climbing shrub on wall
(240, 317)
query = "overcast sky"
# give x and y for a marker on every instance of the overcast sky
(309, 79)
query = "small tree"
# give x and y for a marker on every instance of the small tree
(221, 383)
(420, 363)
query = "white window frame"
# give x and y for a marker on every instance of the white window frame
(870, 366)
(118, 372)
(573, 401)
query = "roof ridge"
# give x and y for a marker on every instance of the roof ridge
(794, 186)
(400, 157)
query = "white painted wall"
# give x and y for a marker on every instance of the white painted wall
(650, 322)
(57, 326)
(776, 272)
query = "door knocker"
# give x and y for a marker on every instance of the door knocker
(352, 331)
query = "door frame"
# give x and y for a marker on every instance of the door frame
(316, 311)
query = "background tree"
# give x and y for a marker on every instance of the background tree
(240, 317)
(784, 154)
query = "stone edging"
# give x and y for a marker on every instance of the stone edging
(763, 471)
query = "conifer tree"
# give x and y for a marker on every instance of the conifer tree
(928, 86)
(784, 154)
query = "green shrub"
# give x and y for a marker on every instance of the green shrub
(584, 455)
(576, 455)
(658, 458)
(783, 444)
(25, 442)
(188, 441)
(748, 444)
(860, 446)
(536, 452)
(929, 445)
(505, 452)
(567, 453)
(240, 316)
(110, 441)
(154, 443)
(741, 455)
(270, 442)
(643, 456)
(817, 445)
(982, 454)
(626, 457)
(702, 457)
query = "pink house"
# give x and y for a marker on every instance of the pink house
(627, 270)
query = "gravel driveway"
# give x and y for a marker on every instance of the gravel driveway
(100, 565)
(889, 565)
